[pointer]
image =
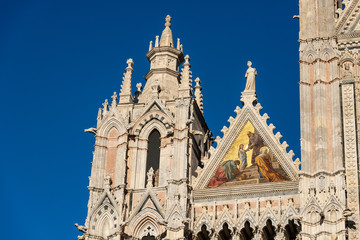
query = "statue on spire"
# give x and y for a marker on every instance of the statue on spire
(248, 96)
(250, 77)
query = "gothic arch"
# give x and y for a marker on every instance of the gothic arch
(111, 123)
(312, 213)
(105, 225)
(225, 218)
(203, 233)
(151, 126)
(145, 219)
(268, 215)
(148, 228)
(247, 217)
(141, 157)
(204, 220)
(333, 210)
(104, 216)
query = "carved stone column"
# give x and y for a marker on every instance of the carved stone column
(351, 158)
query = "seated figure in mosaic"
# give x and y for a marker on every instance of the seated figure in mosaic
(227, 171)
(263, 161)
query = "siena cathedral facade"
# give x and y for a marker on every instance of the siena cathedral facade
(158, 173)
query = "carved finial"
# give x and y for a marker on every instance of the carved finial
(198, 95)
(114, 99)
(185, 86)
(168, 21)
(178, 44)
(150, 45)
(125, 93)
(248, 96)
(105, 105)
(156, 41)
(138, 92)
(150, 178)
(166, 36)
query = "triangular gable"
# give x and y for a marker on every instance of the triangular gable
(155, 105)
(154, 110)
(148, 200)
(248, 119)
(349, 18)
(105, 198)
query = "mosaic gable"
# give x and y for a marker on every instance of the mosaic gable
(248, 161)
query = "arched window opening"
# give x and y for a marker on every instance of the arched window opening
(246, 233)
(203, 234)
(225, 233)
(153, 155)
(292, 230)
(269, 232)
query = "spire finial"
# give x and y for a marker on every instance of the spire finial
(166, 36)
(168, 21)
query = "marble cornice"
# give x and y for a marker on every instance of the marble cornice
(245, 190)
(163, 70)
(321, 172)
(319, 81)
(166, 49)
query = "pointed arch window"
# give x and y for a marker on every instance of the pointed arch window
(153, 154)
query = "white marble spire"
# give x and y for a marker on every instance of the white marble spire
(198, 94)
(166, 36)
(186, 81)
(125, 93)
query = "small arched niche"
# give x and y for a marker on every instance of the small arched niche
(204, 233)
(246, 233)
(153, 155)
(225, 233)
(291, 230)
(112, 142)
(269, 231)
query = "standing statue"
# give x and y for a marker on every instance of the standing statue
(250, 77)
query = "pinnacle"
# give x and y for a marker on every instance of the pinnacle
(166, 36)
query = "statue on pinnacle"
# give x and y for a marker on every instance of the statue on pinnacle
(250, 77)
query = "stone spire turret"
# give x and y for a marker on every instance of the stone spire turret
(166, 36)
(198, 94)
(125, 94)
(185, 86)
(164, 60)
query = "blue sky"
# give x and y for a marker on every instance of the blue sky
(59, 60)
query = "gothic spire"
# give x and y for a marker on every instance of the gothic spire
(125, 93)
(166, 36)
(186, 81)
(198, 94)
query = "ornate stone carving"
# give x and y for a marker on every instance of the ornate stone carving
(350, 146)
